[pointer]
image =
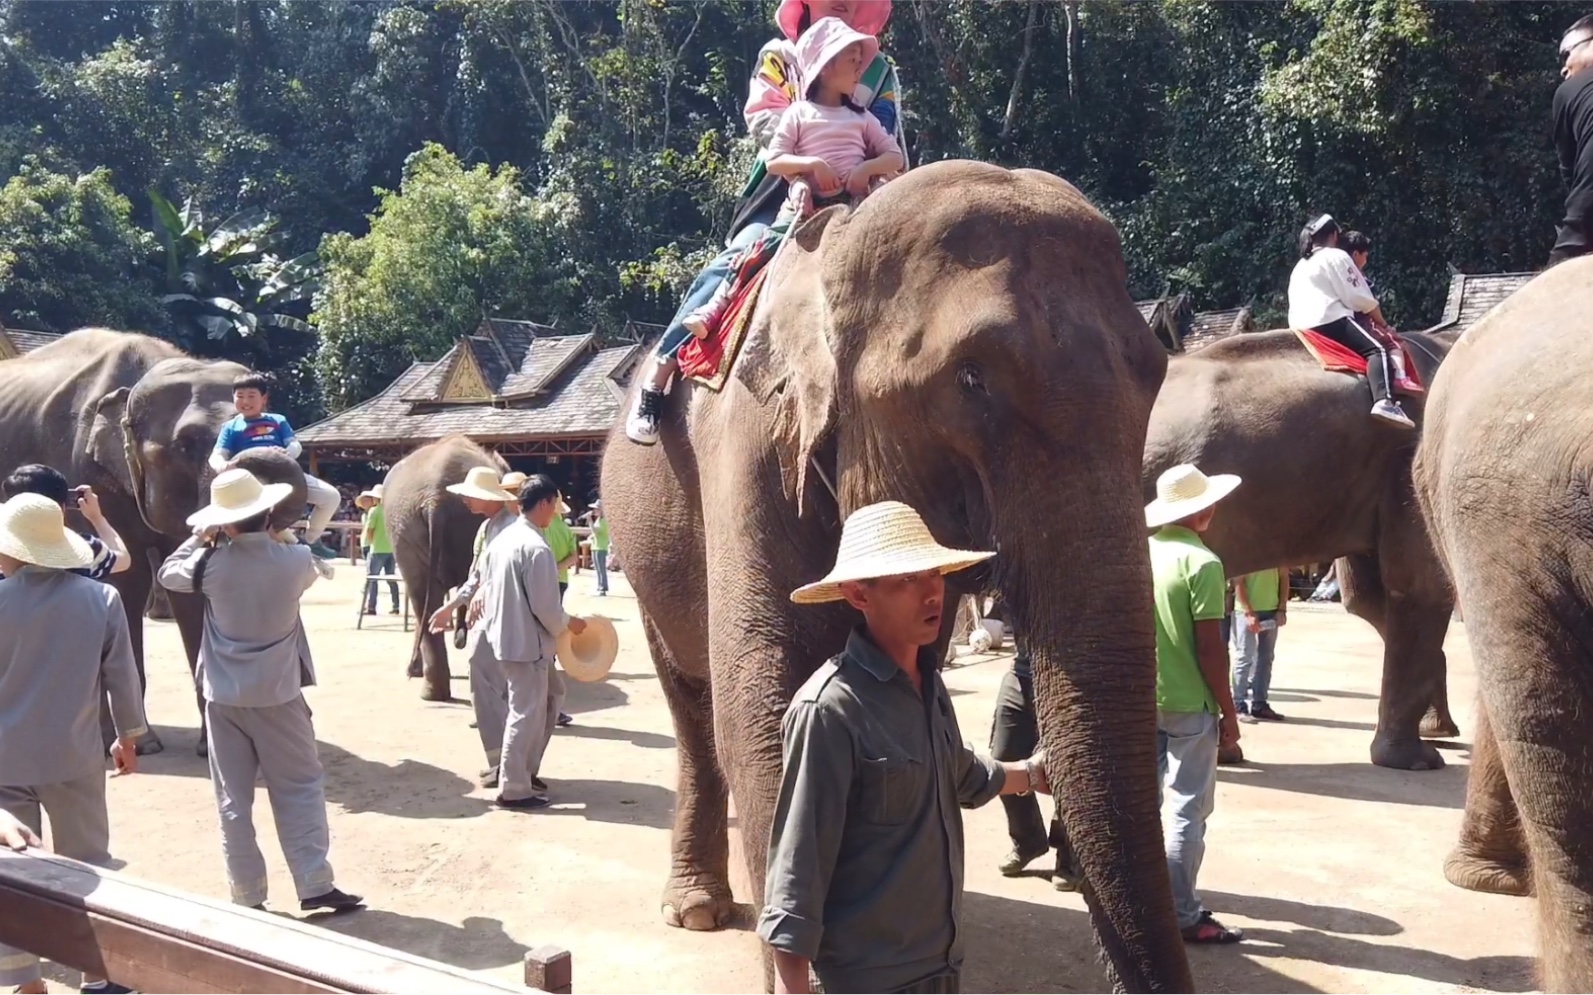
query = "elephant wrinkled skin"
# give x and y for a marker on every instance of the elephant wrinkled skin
(964, 342)
(1505, 477)
(1322, 480)
(432, 533)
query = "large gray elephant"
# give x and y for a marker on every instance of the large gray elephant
(964, 342)
(135, 418)
(432, 533)
(1505, 477)
(1322, 480)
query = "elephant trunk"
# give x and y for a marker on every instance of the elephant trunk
(1082, 605)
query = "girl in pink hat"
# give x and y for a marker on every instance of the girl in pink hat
(773, 88)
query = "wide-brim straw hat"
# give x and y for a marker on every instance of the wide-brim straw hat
(482, 483)
(375, 493)
(589, 656)
(884, 540)
(1184, 491)
(33, 530)
(235, 496)
(512, 482)
(870, 19)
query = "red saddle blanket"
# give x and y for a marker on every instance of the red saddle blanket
(1338, 358)
(708, 360)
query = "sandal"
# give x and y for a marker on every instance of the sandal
(1209, 930)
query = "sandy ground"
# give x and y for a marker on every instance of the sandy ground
(1331, 865)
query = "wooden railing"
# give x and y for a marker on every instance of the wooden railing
(155, 939)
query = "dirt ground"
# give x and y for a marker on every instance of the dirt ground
(1331, 865)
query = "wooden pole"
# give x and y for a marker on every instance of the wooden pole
(547, 968)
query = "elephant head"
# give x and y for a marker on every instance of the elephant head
(156, 436)
(964, 341)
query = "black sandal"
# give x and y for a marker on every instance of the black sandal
(1209, 930)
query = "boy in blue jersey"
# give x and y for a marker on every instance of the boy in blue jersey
(256, 428)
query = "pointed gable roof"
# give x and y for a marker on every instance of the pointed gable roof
(1472, 295)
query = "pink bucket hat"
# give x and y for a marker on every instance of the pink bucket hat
(871, 17)
(826, 39)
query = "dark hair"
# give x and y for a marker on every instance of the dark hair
(846, 98)
(253, 381)
(1316, 234)
(1582, 24)
(36, 478)
(1355, 241)
(537, 488)
(256, 523)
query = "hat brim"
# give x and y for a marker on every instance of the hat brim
(69, 553)
(1218, 486)
(895, 564)
(480, 493)
(271, 495)
(590, 656)
(871, 17)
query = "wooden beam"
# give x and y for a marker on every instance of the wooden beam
(154, 939)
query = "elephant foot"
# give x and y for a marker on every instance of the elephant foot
(202, 748)
(149, 745)
(1406, 754)
(1435, 726)
(431, 692)
(1467, 870)
(697, 909)
(415, 670)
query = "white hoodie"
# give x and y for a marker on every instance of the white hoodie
(1326, 287)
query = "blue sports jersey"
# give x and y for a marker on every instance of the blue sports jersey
(253, 433)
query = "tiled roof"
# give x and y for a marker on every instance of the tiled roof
(24, 341)
(1472, 295)
(544, 359)
(1209, 326)
(1147, 309)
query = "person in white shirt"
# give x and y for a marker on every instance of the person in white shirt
(1327, 294)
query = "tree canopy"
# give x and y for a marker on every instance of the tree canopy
(573, 160)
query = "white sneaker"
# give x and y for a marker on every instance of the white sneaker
(1392, 413)
(322, 567)
(642, 426)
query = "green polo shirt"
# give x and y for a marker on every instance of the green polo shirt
(1261, 589)
(1189, 587)
(561, 539)
(376, 530)
(600, 535)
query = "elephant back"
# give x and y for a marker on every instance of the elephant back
(431, 529)
(274, 466)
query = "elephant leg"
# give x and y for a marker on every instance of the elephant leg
(189, 612)
(1491, 855)
(431, 649)
(1437, 723)
(1413, 664)
(697, 895)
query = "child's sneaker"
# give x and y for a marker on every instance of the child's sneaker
(642, 426)
(1392, 413)
(704, 321)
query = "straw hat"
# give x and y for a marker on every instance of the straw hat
(33, 530)
(871, 17)
(512, 482)
(481, 483)
(374, 493)
(589, 656)
(237, 495)
(884, 540)
(1184, 491)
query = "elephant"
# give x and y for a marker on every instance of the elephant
(1322, 480)
(432, 533)
(135, 418)
(1502, 475)
(962, 341)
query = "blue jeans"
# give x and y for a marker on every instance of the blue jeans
(1253, 653)
(600, 563)
(1186, 758)
(380, 563)
(715, 273)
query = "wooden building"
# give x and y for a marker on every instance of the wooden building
(1472, 295)
(1209, 326)
(16, 342)
(1168, 316)
(541, 398)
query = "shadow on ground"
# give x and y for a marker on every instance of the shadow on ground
(1498, 974)
(480, 944)
(1444, 788)
(649, 740)
(1358, 695)
(621, 802)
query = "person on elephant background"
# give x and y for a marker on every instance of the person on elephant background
(378, 548)
(866, 849)
(254, 663)
(1573, 140)
(1195, 716)
(1261, 608)
(256, 428)
(1015, 735)
(772, 89)
(64, 642)
(1326, 294)
(110, 554)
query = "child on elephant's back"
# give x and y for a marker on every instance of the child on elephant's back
(829, 148)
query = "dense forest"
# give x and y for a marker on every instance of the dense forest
(330, 189)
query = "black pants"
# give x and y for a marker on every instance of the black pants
(1379, 368)
(1570, 241)
(1015, 735)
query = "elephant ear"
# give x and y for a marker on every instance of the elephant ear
(107, 438)
(787, 361)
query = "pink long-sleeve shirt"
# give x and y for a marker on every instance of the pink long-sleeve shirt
(842, 137)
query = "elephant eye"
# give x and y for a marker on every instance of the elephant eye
(971, 378)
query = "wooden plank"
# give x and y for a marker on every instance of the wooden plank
(155, 939)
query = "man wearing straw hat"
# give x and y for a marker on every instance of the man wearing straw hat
(378, 545)
(866, 851)
(1195, 715)
(254, 661)
(63, 641)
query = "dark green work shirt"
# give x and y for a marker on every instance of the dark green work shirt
(866, 852)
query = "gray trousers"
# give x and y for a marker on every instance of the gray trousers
(79, 828)
(489, 697)
(278, 743)
(536, 693)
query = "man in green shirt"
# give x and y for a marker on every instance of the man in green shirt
(566, 547)
(1194, 707)
(378, 548)
(600, 548)
(1261, 604)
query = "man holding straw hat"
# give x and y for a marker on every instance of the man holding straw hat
(1195, 716)
(63, 643)
(866, 852)
(254, 661)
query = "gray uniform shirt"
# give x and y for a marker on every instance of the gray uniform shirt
(485, 533)
(254, 652)
(522, 614)
(63, 641)
(866, 851)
